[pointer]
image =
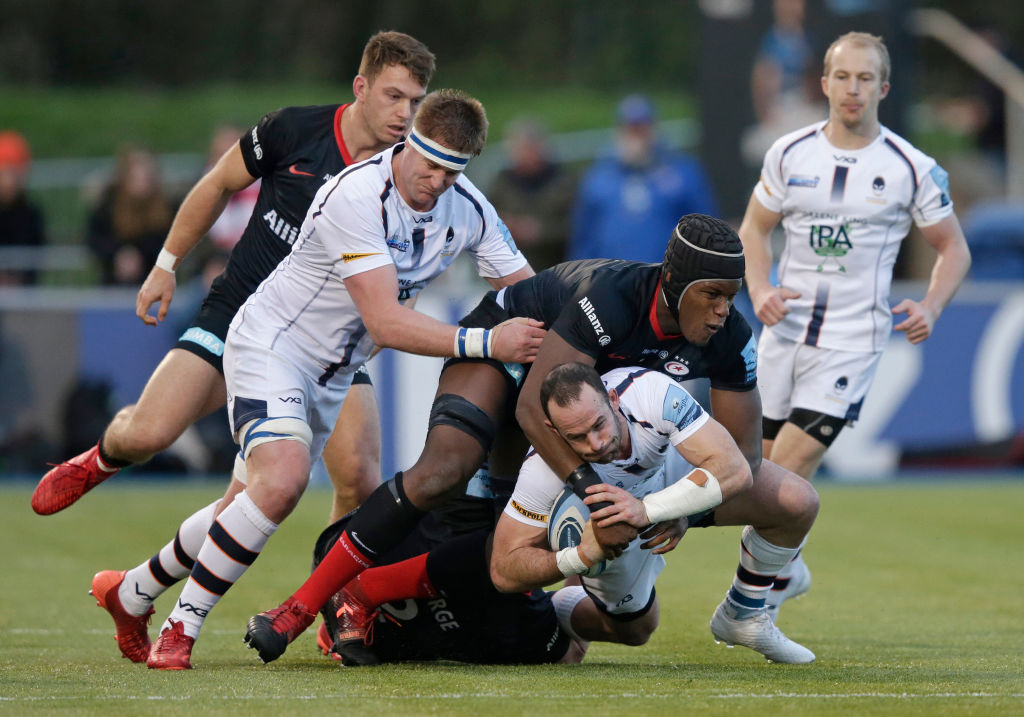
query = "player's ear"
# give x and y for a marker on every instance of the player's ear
(613, 398)
(883, 90)
(551, 427)
(359, 86)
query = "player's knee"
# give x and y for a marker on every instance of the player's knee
(636, 633)
(450, 409)
(799, 501)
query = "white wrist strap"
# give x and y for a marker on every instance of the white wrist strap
(166, 260)
(684, 497)
(570, 562)
(473, 343)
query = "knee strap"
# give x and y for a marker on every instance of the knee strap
(819, 426)
(450, 409)
(265, 430)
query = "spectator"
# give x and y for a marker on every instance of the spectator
(784, 81)
(630, 201)
(533, 194)
(21, 222)
(127, 227)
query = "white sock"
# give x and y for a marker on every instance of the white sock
(146, 582)
(565, 601)
(233, 543)
(760, 562)
(788, 570)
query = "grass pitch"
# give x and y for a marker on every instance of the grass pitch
(917, 608)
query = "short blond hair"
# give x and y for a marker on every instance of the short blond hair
(863, 39)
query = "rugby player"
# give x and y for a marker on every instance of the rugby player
(676, 317)
(846, 190)
(375, 235)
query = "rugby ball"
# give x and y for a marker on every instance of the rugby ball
(565, 526)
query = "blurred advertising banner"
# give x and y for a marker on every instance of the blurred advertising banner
(759, 71)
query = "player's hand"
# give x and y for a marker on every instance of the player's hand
(614, 538)
(919, 322)
(517, 340)
(770, 304)
(158, 286)
(592, 549)
(663, 537)
(624, 508)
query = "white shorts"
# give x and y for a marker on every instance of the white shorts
(266, 384)
(627, 584)
(794, 375)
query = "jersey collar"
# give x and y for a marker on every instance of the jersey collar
(337, 135)
(653, 317)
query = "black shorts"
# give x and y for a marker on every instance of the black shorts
(477, 625)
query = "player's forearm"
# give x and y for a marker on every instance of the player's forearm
(556, 452)
(197, 214)
(524, 568)
(949, 271)
(404, 329)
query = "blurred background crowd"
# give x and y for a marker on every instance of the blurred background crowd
(608, 122)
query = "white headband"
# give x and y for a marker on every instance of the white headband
(437, 153)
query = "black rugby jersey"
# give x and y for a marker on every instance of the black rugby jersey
(293, 151)
(605, 308)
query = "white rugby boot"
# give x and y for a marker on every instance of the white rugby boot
(756, 631)
(799, 582)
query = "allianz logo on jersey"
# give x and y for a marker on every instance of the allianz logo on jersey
(281, 227)
(588, 309)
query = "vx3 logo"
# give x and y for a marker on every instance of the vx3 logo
(290, 399)
(189, 607)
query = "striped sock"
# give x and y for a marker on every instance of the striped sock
(760, 562)
(146, 582)
(233, 543)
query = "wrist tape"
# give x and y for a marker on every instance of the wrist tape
(571, 562)
(684, 497)
(166, 260)
(473, 343)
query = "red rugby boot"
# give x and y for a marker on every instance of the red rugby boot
(66, 483)
(172, 650)
(131, 634)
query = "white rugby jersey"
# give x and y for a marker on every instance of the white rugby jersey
(845, 213)
(660, 414)
(357, 222)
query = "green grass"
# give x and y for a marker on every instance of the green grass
(916, 609)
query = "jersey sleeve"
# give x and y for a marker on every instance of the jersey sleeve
(670, 408)
(932, 201)
(771, 186)
(265, 144)
(349, 226)
(594, 318)
(733, 361)
(495, 253)
(537, 489)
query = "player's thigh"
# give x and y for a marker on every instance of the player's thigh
(832, 382)
(778, 498)
(182, 389)
(352, 453)
(775, 361)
